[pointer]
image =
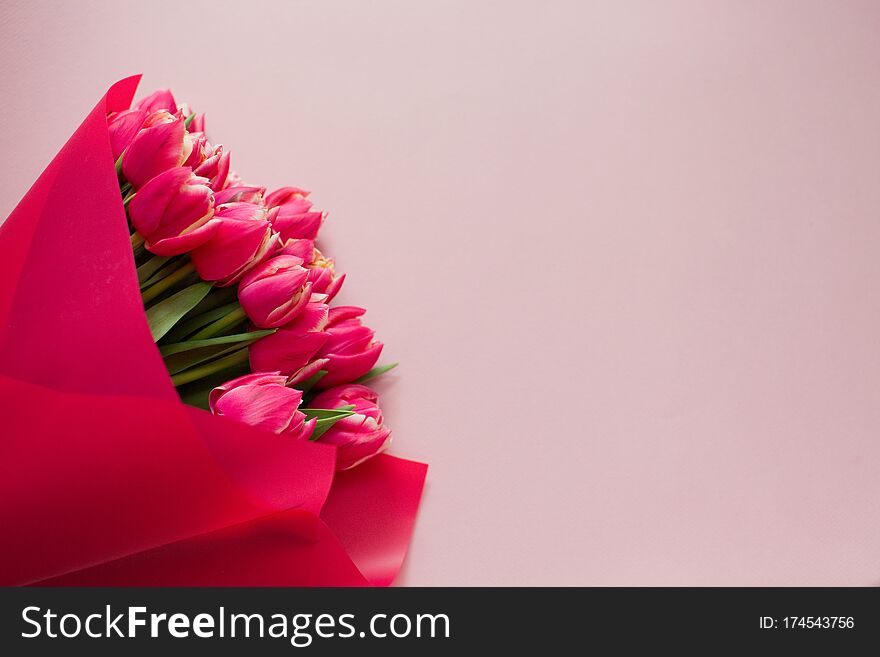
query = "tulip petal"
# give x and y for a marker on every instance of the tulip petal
(152, 151)
(123, 126)
(161, 99)
(345, 368)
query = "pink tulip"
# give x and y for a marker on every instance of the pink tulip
(158, 146)
(294, 345)
(322, 275)
(215, 168)
(302, 249)
(243, 240)
(197, 124)
(262, 400)
(349, 349)
(273, 292)
(290, 215)
(123, 126)
(199, 147)
(173, 212)
(240, 194)
(289, 195)
(161, 99)
(357, 437)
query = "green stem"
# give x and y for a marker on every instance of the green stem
(166, 283)
(137, 241)
(218, 325)
(214, 367)
(127, 200)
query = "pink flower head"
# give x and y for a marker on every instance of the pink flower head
(198, 123)
(262, 400)
(289, 196)
(243, 239)
(240, 194)
(294, 345)
(198, 147)
(173, 212)
(215, 168)
(123, 126)
(157, 147)
(273, 292)
(302, 249)
(162, 99)
(289, 212)
(357, 437)
(350, 349)
(322, 275)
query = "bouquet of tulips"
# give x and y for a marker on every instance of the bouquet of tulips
(237, 293)
(182, 402)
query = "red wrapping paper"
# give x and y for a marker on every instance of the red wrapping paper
(106, 478)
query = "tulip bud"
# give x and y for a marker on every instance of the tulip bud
(240, 194)
(349, 349)
(357, 437)
(273, 292)
(243, 240)
(288, 195)
(173, 212)
(157, 147)
(322, 275)
(215, 168)
(290, 215)
(198, 123)
(198, 146)
(294, 345)
(262, 400)
(123, 126)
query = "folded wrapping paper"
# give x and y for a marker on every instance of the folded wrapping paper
(106, 478)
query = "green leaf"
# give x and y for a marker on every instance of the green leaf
(211, 308)
(326, 418)
(233, 361)
(176, 363)
(376, 371)
(241, 338)
(160, 273)
(150, 267)
(167, 312)
(325, 413)
(309, 383)
(188, 120)
(221, 325)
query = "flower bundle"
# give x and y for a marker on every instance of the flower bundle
(139, 272)
(236, 291)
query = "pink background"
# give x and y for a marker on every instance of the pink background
(628, 254)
